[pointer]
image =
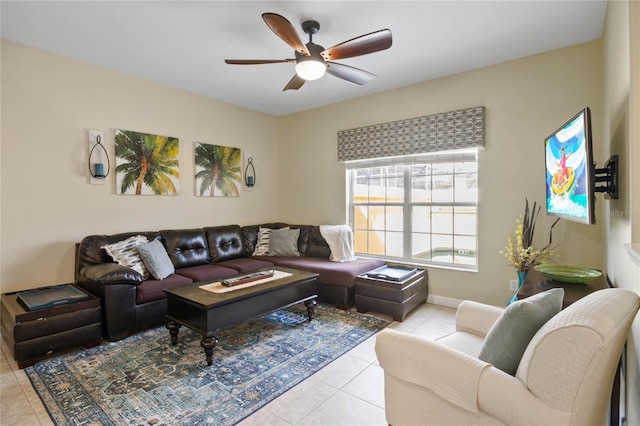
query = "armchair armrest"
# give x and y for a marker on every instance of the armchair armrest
(451, 374)
(462, 380)
(476, 318)
(111, 273)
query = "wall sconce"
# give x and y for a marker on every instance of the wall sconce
(249, 172)
(97, 157)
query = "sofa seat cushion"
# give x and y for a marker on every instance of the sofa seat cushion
(246, 264)
(338, 273)
(463, 341)
(206, 272)
(151, 290)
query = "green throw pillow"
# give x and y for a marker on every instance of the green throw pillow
(155, 258)
(284, 242)
(508, 338)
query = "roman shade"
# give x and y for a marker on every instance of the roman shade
(445, 131)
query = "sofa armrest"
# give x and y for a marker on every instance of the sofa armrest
(451, 374)
(111, 273)
(476, 318)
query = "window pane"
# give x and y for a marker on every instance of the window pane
(376, 242)
(442, 250)
(465, 250)
(360, 217)
(442, 188)
(360, 191)
(466, 188)
(395, 218)
(393, 244)
(421, 189)
(442, 168)
(421, 246)
(421, 219)
(442, 220)
(464, 220)
(376, 217)
(360, 241)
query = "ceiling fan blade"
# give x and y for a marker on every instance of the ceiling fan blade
(256, 61)
(368, 43)
(283, 29)
(295, 83)
(351, 74)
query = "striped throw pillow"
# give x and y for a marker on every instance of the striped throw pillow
(125, 253)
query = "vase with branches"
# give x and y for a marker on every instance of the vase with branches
(520, 251)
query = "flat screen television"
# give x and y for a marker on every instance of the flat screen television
(570, 171)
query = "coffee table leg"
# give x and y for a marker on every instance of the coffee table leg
(311, 308)
(173, 327)
(208, 343)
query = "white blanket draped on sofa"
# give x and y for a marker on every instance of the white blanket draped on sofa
(340, 241)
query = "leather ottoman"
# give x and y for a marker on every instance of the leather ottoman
(33, 335)
(395, 298)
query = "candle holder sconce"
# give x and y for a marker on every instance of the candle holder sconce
(97, 157)
(249, 172)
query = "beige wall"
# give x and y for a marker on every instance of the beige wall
(47, 203)
(621, 136)
(525, 101)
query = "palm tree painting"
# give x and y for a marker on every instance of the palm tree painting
(146, 164)
(218, 171)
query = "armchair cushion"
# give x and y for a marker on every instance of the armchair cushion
(508, 338)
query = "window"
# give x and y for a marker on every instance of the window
(416, 209)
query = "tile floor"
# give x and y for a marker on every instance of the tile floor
(349, 391)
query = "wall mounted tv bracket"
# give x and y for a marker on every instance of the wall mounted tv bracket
(609, 176)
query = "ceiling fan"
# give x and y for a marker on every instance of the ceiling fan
(313, 60)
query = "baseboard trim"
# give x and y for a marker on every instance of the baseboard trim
(449, 302)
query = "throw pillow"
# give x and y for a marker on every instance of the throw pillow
(125, 253)
(262, 242)
(284, 242)
(508, 338)
(155, 259)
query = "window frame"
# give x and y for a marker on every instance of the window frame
(408, 204)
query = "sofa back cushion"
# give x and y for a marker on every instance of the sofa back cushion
(225, 242)
(89, 251)
(316, 245)
(186, 247)
(303, 239)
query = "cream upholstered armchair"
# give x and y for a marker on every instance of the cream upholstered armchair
(565, 375)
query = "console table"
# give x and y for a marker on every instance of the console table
(536, 282)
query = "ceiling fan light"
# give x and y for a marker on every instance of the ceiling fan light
(310, 70)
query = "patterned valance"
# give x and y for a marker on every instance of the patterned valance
(445, 131)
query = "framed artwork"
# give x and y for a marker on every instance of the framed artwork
(218, 170)
(146, 164)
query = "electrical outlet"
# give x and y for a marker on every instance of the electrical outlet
(513, 285)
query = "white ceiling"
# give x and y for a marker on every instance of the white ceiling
(184, 43)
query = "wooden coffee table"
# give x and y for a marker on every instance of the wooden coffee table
(207, 312)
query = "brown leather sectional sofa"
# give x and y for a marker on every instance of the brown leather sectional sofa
(130, 303)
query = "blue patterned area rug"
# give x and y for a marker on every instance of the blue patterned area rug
(143, 379)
